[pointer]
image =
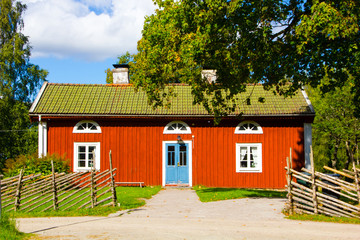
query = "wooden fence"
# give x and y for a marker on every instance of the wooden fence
(58, 191)
(313, 192)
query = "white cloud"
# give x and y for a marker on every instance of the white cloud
(91, 30)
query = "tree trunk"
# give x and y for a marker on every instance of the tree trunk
(335, 159)
(349, 153)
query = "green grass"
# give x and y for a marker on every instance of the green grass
(128, 197)
(8, 229)
(322, 218)
(207, 194)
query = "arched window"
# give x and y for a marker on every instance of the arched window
(249, 127)
(87, 127)
(177, 127)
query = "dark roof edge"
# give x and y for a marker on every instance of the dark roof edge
(39, 95)
(204, 116)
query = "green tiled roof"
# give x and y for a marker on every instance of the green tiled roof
(122, 100)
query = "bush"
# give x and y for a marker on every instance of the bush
(34, 165)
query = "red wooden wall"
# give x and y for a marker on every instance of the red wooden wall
(136, 146)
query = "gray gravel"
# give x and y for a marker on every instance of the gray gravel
(178, 214)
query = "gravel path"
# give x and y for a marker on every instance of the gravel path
(178, 214)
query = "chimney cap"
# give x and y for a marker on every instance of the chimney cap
(123, 65)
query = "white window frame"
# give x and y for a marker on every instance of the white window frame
(248, 130)
(76, 154)
(258, 168)
(87, 130)
(177, 130)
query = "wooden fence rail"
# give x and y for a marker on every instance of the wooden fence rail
(58, 191)
(313, 192)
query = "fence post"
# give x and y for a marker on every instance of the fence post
(18, 191)
(93, 197)
(289, 187)
(55, 200)
(356, 180)
(1, 176)
(314, 197)
(112, 182)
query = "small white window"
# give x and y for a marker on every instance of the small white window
(248, 157)
(87, 127)
(86, 156)
(177, 127)
(248, 127)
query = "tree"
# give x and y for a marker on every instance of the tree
(336, 131)
(273, 42)
(19, 81)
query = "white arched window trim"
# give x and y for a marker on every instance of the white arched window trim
(248, 127)
(177, 127)
(87, 126)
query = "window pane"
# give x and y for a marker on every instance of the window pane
(170, 128)
(91, 149)
(82, 149)
(171, 148)
(82, 156)
(91, 163)
(81, 127)
(81, 164)
(91, 126)
(242, 128)
(243, 164)
(182, 148)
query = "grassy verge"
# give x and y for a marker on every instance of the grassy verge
(8, 229)
(128, 197)
(322, 218)
(207, 194)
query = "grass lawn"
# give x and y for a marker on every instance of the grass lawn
(128, 197)
(322, 218)
(207, 194)
(8, 229)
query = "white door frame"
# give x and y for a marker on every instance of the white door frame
(164, 160)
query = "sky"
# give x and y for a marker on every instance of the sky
(77, 40)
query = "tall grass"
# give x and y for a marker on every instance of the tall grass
(8, 230)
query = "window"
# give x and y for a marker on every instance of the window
(248, 127)
(86, 156)
(248, 157)
(177, 127)
(87, 127)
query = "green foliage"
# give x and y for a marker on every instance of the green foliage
(32, 164)
(8, 229)
(269, 42)
(207, 194)
(336, 130)
(19, 82)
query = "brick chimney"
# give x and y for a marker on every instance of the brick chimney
(120, 74)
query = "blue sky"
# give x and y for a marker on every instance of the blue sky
(77, 40)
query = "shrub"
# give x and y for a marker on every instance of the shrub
(32, 164)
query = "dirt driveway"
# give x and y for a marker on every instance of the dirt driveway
(178, 214)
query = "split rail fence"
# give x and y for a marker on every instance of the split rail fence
(58, 191)
(312, 192)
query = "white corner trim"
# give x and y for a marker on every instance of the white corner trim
(307, 143)
(308, 100)
(37, 99)
(164, 161)
(42, 139)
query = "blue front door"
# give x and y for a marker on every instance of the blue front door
(177, 163)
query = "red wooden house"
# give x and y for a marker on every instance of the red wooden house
(176, 145)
